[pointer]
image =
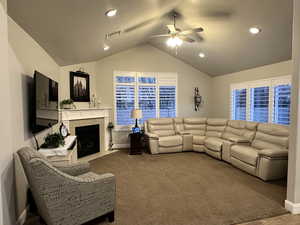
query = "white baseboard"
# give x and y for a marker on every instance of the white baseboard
(22, 218)
(293, 208)
(120, 146)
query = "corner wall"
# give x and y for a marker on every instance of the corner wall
(221, 84)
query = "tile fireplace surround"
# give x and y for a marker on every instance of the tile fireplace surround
(73, 118)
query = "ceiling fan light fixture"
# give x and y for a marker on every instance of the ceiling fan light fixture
(106, 48)
(174, 42)
(201, 55)
(254, 30)
(111, 12)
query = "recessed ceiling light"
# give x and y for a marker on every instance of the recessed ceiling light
(106, 48)
(111, 12)
(201, 55)
(254, 30)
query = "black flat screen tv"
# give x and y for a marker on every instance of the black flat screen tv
(45, 103)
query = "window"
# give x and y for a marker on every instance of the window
(262, 101)
(154, 93)
(239, 104)
(282, 101)
(167, 101)
(259, 104)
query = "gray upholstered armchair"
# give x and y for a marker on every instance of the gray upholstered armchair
(70, 194)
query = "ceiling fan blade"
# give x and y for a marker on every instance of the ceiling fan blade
(187, 39)
(172, 28)
(194, 30)
(161, 35)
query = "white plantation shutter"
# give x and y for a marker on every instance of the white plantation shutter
(147, 102)
(125, 100)
(259, 104)
(167, 101)
(154, 93)
(239, 100)
(262, 100)
(282, 101)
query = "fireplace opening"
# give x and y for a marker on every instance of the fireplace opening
(88, 140)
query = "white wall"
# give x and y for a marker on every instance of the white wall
(7, 215)
(146, 58)
(221, 84)
(293, 190)
(24, 56)
(64, 87)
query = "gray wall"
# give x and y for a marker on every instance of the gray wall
(24, 56)
(293, 190)
(221, 84)
(7, 213)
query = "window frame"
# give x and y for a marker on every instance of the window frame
(162, 79)
(270, 82)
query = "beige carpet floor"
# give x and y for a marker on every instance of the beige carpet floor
(187, 189)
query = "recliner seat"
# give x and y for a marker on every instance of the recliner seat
(213, 141)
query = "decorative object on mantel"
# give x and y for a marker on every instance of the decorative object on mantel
(197, 99)
(80, 86)
(67, 104)
(64, 130)
(110, 126)
(53, 141)
(136, 114)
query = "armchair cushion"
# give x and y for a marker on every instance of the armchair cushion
(74, 169)
(274, 153)
(170, 141)
(214, 143)
(198, 140)
(245, 154)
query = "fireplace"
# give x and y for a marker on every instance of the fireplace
(88, 140)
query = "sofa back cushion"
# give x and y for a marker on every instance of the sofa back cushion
(240, 129)
(162, 127)
(195, 126)
(271, 136)
(178, 124)
(215, 127)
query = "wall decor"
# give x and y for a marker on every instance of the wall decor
(80, 86)
(197, 99)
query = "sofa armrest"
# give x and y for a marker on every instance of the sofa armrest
(74, 169)
(272, 153)
(239, 140)
(183, 133)
(152, 136)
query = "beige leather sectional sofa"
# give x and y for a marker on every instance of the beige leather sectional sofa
(260, 149)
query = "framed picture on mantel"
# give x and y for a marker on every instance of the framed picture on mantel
(79, 86)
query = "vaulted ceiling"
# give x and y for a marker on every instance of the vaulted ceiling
(73, 31)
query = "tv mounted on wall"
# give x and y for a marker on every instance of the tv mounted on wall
(45, 103)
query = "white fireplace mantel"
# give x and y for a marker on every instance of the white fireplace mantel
(84, 116)
(85, 113)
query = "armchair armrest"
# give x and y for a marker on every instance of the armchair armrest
(239, 140)
(74, 169)
(272, 153)
(152, 136)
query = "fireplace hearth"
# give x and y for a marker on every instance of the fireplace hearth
(88, 138)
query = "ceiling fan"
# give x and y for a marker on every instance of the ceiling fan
(176, 35)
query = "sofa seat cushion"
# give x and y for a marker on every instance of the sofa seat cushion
(245, 154)
(170, 141)
(214, 143)
(198, 140)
